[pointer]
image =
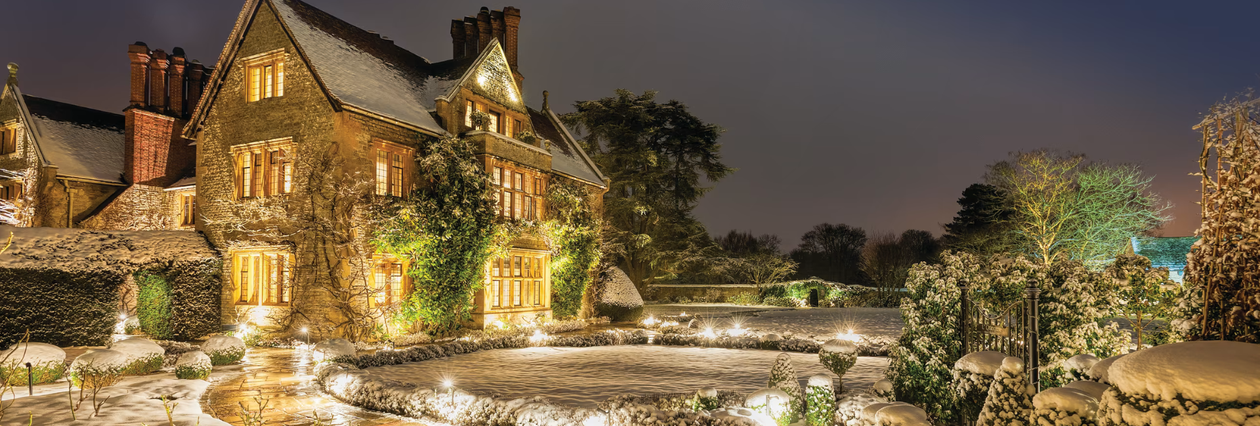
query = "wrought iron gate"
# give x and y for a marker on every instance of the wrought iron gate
(1011, 330)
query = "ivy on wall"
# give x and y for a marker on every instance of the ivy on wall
(445, 229)
(572, 232)
(153, 304)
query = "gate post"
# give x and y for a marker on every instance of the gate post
(1032, 352)
(964, 300)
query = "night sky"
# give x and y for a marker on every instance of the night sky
(876, 114)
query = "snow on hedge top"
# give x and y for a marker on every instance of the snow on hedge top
(1093, 389)
(983, 362)
(901, 415)
(195, 359)
(34, 353)
(619, 290)
(1082, 362)
(1066, 400)
(840, 346)
(137, 348)
(66, 249)
(333, 348)
(223, 344)
(1220, 371)
(106, 359)
(1100, 369)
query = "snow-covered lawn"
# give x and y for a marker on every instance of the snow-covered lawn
(134, 400)
(816, 323)
(584, 377)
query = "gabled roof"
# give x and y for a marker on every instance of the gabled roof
(356, 68)
(82, 142)
(1169, 252)
(492, 75)
(567, 157)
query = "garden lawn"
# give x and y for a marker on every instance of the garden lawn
(584, 377)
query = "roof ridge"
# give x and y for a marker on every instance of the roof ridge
(98, 121)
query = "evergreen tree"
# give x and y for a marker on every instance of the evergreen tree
(783, 377)
(1010, 397)
(659, 157)
(980, 227)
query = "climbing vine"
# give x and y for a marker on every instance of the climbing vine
(445, 228)
(572, 232)
(153, 304)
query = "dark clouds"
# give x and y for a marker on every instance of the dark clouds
(875, 114)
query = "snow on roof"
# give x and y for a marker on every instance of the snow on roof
(81, 142)
(1220, 371)
(360, 68)
(190, 181)
(77, 249)
(566, 156)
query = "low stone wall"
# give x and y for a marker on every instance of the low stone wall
(711, 292)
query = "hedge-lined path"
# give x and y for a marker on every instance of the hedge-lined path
(284, 377)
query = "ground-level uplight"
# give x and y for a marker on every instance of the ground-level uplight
(708, 333)
(850, 336)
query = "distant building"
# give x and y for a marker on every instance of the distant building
(1166, 252)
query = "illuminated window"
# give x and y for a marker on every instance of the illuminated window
(188, 209)
(517, 280)
(264, 168)
(389, 283)
(517, 128)
(469, 107)
(11, 191)
(538, 292)
(516, 293)
(266, 77)
(519, 198)
(262, 277)
(393, 162)
(495, 120)
(8, 141)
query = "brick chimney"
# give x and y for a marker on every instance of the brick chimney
(471, 34)
(484, 31)
(157, 80)
(139, 54)
(512, 27)
(196, 73)
(175, 82)
(458, 41)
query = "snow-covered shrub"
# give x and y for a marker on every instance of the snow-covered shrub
(901, 415)
(920, 363)
(143, 356)
(97, 368)
(131, 326)
(224, 350)
(1187, 383)
(820, 401)
(1064, 407)
(48, 363)
(333, 348)
(616, 297)
(174, 350)
(1099, 371)
(413, 339)
(838, 356)
(973, 375)
(773, 403)
(705, 399)
(849, 407)
(38, 299)
(1077, 367)
(193, 365)
(883, 389)
(1009, 402)
(770, 341)
(783, 377)
(1091, 388)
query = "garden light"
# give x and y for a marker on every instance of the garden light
(649, 321)
(538, 337)
(736, 332)
(708, 333)
(850, 336)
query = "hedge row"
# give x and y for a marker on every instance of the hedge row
(63, 308)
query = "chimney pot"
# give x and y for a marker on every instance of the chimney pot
(157, 80)
(458, 43)
(545, 106)
(13, 69)
(484, 32)
(139, 54)
(471, 36)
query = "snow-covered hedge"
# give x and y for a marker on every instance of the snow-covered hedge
(973, 375)
(1192, 383)
(39, 300)
(676, 401)
(675, 336)
(1009, 401)
(97, 368)
(783, 377)
(143, 356)
(820, 401)
(1064, 407)
(48, 363)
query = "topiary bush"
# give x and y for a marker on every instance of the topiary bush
(838, 356)
(820, 401)
(783, 377)
(224, 350)
(195, 365)
(48, 363)
(153, 304)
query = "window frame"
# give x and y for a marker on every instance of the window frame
(399, 163)
(262, 276)
(512, 287)
(187, 209)
(271, 85)
(8, 140)
(252, 158)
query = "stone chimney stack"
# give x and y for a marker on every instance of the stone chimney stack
(458, 39)
(157, 80)
(175, 83)
(139, 54)
(196, 72)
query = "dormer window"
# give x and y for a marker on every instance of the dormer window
(266, 77)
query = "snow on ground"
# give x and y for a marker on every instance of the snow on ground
(817, 323)
(134, 400)
(584, 377)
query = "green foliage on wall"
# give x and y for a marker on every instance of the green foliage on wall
(572, 231)
(445, 229)
(38, 299)
(153, 304)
